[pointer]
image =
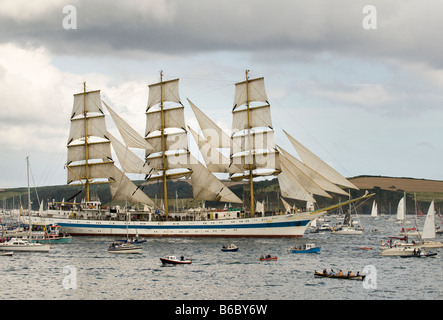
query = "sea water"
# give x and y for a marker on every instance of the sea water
(84, 269)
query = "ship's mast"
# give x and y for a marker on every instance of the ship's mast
(86, 143)
(165, 185)
(251, 165)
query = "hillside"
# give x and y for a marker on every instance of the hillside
(392, 183)
(388, 190)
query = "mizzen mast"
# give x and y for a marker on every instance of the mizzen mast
(86, 143)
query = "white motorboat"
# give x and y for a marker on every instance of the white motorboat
(16, 244)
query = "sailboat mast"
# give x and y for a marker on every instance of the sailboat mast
(86, 142)
(251, 180)
(165, 185)
(29, 198)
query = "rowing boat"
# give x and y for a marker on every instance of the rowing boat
(268, 258)
(337, 276)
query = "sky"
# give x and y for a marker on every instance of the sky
(361, 87)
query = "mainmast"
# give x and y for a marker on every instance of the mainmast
(252, 140)
(164, 164)
(251, 166)
(166, 133)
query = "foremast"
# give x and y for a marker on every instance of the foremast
(89, 149)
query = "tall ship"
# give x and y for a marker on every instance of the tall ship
(253, 154)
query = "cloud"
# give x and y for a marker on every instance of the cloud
(368, 95)
(36, 101)
(283, 29)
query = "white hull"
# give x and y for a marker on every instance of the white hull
(431, 244)
(288, 225)
(398, 251)
(347, 230)
(126, 250)
(34, 247)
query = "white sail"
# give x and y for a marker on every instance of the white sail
(206, 186)
(429, 226)
(129, 161)
(401, 209)
(260, 207)
(173, 118)
(318, 165)
(166, 132)
(290, 187)
(287, 206)
(99, 171)
(165, 91)
(212, 133)
(316, 177)
(93, 104)
(215, 161)
(250, 90)
(374, 209)
(124, 189)
(259, 117)
(308, 184)
(131, 137)
(89, 150)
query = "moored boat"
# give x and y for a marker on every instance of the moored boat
(347, 230)
(173, 260)
(48, 234)
(230, 248)
(123, 248)
(16, 244)
(398, 251)
(306, 248)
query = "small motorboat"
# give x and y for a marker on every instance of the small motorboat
(7, 253)
(350, 276)
(366, 248)
(174, 260)
(306, 248)
(268, 257)
(230, 248)
(16, 244)
(123, 248)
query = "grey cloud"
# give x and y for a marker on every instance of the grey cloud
(406, 29)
